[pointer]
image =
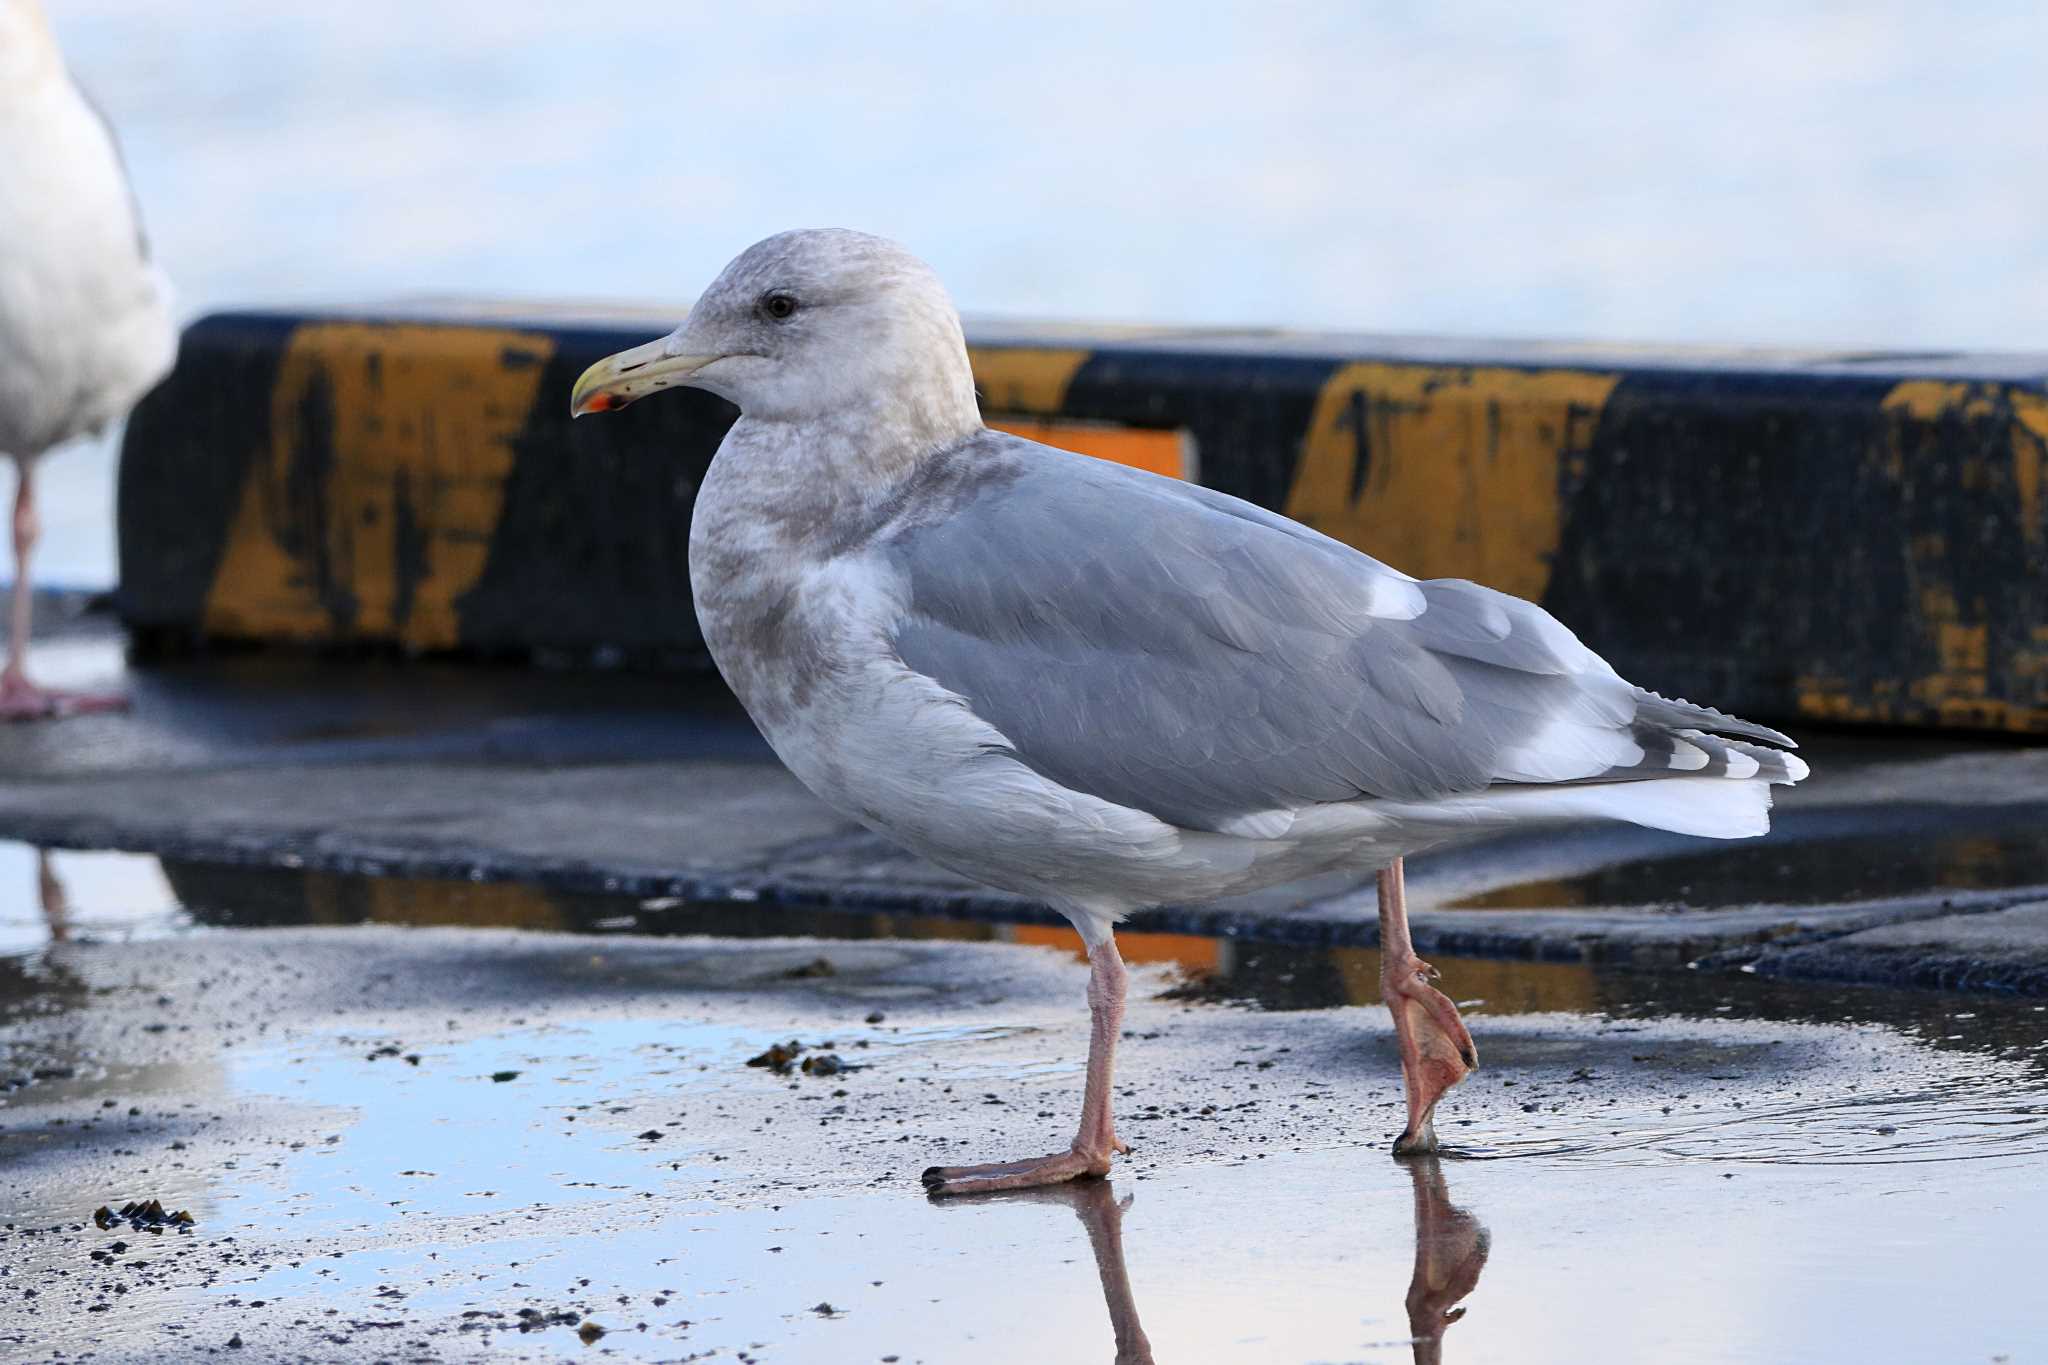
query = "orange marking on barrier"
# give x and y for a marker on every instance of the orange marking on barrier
(1155, 451)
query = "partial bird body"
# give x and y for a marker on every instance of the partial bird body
(1112, 690)
(85, 326)
(1109, 689)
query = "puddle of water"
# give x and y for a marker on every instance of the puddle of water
(438, 1115)
(58, 895)
(122, 897)
(426, 1129)
(1323, 1257)
(453, 1199)
(1820, 871)
(1272, 976)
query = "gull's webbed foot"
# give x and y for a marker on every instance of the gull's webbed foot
(1072, 1164)
(21, 699)
(1436, 1048)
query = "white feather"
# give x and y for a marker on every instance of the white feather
(84, 317)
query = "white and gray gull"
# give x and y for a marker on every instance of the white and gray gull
(1108, 689)
(85, 326)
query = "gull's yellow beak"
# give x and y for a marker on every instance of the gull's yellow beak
(620, 379)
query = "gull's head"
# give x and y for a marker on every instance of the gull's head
(808, 326)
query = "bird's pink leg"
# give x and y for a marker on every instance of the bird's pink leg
(21, 699)
(16, 692)
(1436, 1048)
(1096, 1143)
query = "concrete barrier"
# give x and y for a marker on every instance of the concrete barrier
(1848, 538)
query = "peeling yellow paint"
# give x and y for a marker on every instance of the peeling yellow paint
(1957, 692)
(1965, 648)
(1024, 380)
(1927, 399)
(2029, 459)
(1832, 700)
(1448, 471)
(372, 512)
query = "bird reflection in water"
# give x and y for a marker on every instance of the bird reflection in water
(1450, 1251)
(50, 895)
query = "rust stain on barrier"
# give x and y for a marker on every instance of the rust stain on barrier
(1449, 471)
(372, 512)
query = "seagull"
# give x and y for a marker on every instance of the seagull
(85, 324)
(1107, 689)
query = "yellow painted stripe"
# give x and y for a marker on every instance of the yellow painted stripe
(1448, 471)
(373, 510)
(1024, 380)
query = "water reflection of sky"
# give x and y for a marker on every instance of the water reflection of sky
(1765, 173)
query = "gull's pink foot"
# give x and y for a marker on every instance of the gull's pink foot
(21, 699)
(1095, 1145)
(1436, 1048)
(1057, 1169)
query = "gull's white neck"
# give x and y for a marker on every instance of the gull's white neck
(820, 480)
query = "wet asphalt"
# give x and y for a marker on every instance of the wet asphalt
(495, 1101)
(452, 1141)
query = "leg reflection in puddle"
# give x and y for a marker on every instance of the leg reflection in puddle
(1095, 1203)
(50, 895)
(1450, 1251)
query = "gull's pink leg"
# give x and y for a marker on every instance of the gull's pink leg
(1096, 1143)
(18, 698)
(21, 699)
(1436, 1049)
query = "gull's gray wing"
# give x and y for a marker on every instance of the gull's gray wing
(1173, 649)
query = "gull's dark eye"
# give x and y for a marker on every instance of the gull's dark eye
(778, 304)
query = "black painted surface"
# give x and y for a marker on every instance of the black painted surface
(1741, 530)
(591, 552)
(189, 447)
